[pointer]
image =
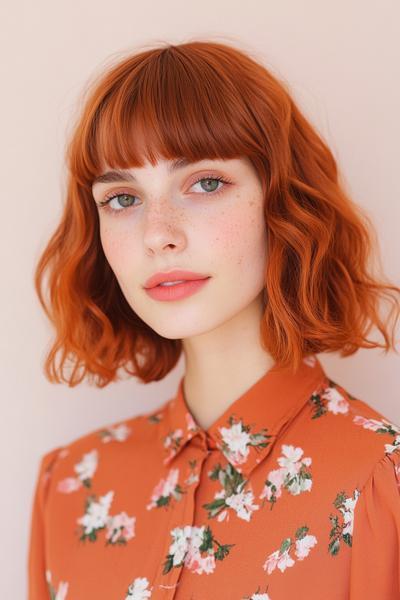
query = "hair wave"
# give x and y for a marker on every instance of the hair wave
(204, 99)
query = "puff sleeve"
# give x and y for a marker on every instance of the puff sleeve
(375, 563)
(37, 583)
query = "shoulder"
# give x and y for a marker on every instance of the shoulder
(349, 431)
(76, 462)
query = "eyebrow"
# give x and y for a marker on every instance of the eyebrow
(121, 175)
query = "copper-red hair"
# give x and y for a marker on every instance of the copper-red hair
(210, 100)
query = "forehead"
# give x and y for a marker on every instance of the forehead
(111, 175)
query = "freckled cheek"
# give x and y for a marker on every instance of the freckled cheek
(119, 249)
(240, 239)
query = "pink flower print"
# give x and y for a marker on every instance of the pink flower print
(290, 460)
(164, 489)
(304, 545)
(336, 402)
(197, 564)
(138, 589)
(347, 509)
(190, 542)
(70, 484)
(372, 424)
(293, 475)
(232, 496)
(342, 531)
(281, 558)
(242, 504)
(235, 443)
(85, 470)
(120, 528)
(180, 545)
(173, 441)
(276, 559)
(274, 490)
(119, 433)
(389, 448)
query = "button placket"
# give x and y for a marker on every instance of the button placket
(166, 585)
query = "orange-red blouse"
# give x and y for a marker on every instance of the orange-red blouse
(292, 493)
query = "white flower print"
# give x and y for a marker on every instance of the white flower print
(304, 545)
(165, 489)
(347, 509)
(372, 424)
(381, 426)
(293, 475)
(344, 530)
(96, 515)
(118, 433)
(173, 441)
(138, 589)
(85, 469)
(120, 528)
(68, 485)
(281, 558)
(337, 403)
(389, 448)
(236, 440)
(329, 398)
(187, 548)
(88, 465)
(61, 593)
(180, 545)
(233, 495)
(242, 504)
(273, 485)
(277, 559)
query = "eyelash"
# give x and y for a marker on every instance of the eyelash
(104, 203)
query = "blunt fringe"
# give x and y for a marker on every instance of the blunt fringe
(206, 99)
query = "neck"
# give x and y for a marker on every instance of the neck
(222, 364)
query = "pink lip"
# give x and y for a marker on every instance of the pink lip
(175, 275)
(177, 291)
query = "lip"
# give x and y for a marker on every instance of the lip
(177, 291)
(175, 275)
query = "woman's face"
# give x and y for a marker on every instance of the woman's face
(164, 220)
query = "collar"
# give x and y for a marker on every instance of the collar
(245, 433)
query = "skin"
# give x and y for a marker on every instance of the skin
(177, 223)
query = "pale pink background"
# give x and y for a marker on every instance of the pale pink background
(341, 60)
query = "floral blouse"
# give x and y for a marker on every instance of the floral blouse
(292, 493)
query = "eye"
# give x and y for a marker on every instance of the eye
(125, 201)
(211, 182)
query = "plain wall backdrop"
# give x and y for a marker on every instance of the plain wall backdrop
(341, 60)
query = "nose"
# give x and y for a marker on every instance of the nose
(162, 230)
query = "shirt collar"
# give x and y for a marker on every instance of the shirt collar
(246, 431)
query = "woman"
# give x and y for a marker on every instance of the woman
(204, 216)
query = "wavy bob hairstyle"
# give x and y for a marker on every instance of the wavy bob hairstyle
(209, 100)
